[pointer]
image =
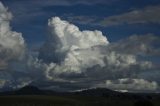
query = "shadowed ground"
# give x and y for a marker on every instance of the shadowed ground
(39, 100)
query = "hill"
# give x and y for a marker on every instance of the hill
(33, 96)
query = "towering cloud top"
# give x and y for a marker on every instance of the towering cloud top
(12, 51)
(66, 38)
(71, 59)
(11, 43)
(81, 57)
(70, 36)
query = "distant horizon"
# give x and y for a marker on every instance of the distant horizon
(30, 87)
(72, 45)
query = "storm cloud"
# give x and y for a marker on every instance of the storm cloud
(86, 58)
(71, 59)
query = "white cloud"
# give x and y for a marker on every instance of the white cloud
(76, 50)
(86, 55)
(132, 84)
(27, 9)
(71, 37)
(146, 15)
(2, 83)
(11, 43)
(71, 47)
(12, 50)
(72, 59)
(141, 45)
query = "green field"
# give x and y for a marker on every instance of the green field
(38, 100)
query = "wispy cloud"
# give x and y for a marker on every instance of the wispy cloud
(148, 15)
(71, 59)
(81, 57)
(27, 9)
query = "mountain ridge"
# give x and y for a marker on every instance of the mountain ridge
(32, 90)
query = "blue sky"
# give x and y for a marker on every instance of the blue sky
(30, 17)
(52, 53)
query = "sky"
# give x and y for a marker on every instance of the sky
(69, 45)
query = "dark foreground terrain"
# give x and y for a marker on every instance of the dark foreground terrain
(39, 100)
(31, 96)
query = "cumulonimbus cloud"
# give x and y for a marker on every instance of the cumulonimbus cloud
(12, 53)
(12, 46)
(70, 46)
(71, 59)
(80, 57)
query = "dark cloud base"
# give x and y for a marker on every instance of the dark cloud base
(71, 59)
